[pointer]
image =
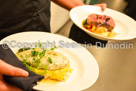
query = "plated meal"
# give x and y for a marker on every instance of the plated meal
(47, 62)
(64, 68)
(100, 24)
(104, 25)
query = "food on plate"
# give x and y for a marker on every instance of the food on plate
(47, 62)
(100, 24)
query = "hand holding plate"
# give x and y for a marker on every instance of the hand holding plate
(102, 5)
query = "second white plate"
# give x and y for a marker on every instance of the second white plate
(125, 26)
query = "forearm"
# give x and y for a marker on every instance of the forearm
(68, 4)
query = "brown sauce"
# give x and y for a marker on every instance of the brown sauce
(109, 35)
(49, 81)
(112, 34)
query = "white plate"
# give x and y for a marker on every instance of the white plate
(125, 26)
(85, 68)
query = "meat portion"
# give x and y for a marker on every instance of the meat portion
(101, 21)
